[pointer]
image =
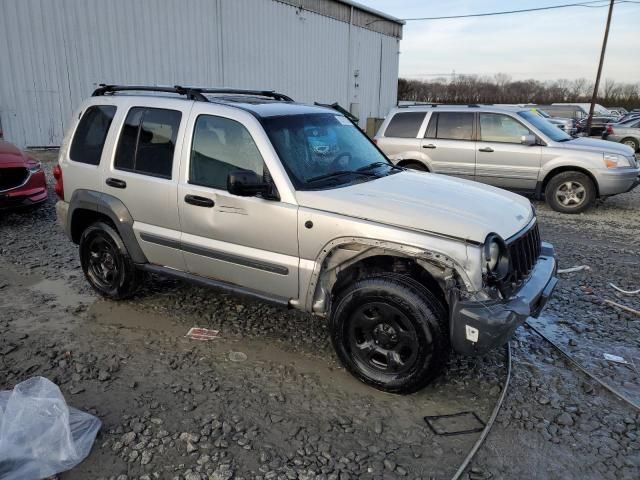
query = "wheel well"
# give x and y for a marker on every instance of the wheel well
(385, 264)
(82, 218)
(406, 163)
(558, 170)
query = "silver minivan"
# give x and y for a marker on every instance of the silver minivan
(508, 147)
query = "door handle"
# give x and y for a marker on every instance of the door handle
(429, 145)
(116, 183)
(486, 149)
(199, 201)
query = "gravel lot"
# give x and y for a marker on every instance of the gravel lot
(176, 408)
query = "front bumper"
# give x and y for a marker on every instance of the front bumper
(32, 192)
(617, 180)
(479, 326)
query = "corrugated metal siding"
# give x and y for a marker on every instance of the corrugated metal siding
(55, 52)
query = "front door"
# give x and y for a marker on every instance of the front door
(248, 241)
(449, 143)
(502, 160)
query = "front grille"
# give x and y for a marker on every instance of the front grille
(524, 252)
(12, 177)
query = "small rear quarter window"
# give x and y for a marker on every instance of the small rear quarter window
(405, 125)
(88, 141)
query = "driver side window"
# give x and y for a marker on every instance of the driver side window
(501, 128)
(221, 145)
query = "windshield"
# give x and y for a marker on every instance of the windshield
(324, 150)
(545, 126)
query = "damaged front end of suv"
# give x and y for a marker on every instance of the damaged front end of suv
(518, 278)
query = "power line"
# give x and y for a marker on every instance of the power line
(509, 12)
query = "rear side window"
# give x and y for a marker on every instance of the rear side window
(405, 125)
(451, 126)
(91, 133)
(147, 141)
(221, 145)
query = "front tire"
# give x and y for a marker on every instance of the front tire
(570, 192)
(390, 332)
(106, 263)
(631, 142)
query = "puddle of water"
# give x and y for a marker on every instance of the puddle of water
(65, 295)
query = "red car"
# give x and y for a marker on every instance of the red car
(22, 181)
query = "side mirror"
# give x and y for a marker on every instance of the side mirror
(528, 140)
(246, 183)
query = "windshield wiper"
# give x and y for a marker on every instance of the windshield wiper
(379, 164)
(340, 173)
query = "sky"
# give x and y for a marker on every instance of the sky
(548, 45)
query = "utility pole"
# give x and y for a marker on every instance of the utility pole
(597, 85)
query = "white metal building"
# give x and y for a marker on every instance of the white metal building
(54, 53)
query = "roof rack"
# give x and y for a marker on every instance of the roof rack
(434, 105)
(192, 93)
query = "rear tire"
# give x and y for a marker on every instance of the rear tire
(631, 142)
(390, 332)
(570, 192)
(413, 165)
(106, 263)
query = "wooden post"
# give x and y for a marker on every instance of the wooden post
(597, 85)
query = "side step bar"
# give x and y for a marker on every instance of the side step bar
(209, 282)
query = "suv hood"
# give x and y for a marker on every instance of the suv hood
(428, 203)
(11, 156)
(598, 146)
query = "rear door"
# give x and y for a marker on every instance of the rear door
(143, 174)
(449, 143)
(502, 160)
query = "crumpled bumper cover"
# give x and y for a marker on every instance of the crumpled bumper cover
(479, 326)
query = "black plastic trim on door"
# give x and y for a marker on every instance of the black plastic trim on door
(216, 255)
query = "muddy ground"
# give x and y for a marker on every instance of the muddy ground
(177, 408)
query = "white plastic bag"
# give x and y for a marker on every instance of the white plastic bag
(39, 435)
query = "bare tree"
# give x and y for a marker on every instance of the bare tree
(501, 89)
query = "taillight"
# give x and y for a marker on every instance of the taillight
(375, 140)
(59, 187)
(609, 129)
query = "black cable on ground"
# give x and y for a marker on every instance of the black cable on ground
(489, 424)
(579, 366)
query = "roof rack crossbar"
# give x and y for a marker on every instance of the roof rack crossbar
(192, 93)
(236, 91)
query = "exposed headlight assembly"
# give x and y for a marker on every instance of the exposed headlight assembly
(495, 258)
(614, 160)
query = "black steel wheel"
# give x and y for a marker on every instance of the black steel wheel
(106, 262)
(390, 332)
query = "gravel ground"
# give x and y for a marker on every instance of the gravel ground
(175, 408)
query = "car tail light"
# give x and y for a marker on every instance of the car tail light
(609, 129)
(375, 140)
(59, 187)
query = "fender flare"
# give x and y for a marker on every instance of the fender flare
(421, 255)
(115, 210)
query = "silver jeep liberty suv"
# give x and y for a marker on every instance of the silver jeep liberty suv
(252, 193)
